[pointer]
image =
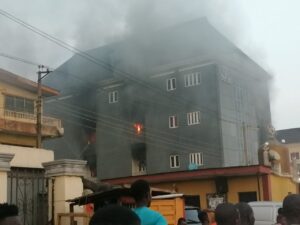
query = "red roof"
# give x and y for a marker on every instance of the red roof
(24, 83)
(194, 174)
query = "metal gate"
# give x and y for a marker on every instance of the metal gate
(27, 188)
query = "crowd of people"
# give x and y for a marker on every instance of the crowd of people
(225, 213)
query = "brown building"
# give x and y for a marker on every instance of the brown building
(18, 97)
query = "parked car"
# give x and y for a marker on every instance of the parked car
(265, 212)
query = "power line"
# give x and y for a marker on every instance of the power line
(97, 61)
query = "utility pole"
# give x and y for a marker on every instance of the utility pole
(42, 71)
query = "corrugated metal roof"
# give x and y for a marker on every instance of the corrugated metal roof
(24, 83)
(288, 136)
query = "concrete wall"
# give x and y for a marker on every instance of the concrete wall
(3, 187)
(15, 91)
(282, 186)
(27, 157)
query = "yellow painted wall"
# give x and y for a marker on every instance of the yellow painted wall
(67, 187)
(18, 140)
(281, 187)
(15, 91)
(203, 187)
(195, 187)
(241, 184)
(3, 186)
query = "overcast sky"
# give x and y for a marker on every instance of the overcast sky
(266, 30)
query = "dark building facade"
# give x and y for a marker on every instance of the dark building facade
(182, 98)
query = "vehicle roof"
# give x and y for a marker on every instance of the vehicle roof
(261, 203)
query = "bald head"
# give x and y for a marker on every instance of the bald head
(227, 214)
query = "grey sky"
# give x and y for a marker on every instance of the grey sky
(267, 30)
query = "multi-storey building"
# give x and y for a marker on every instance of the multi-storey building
(182, 98)
(21, 171)
(18, 97)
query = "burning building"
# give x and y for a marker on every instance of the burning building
(181, 98)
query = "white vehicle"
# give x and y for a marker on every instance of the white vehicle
(265, 213)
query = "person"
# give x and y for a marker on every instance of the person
(140, 191)
(246, 213)
(9, 214)
(203, 217)
(114, 215)
(280, 219)
(227, 214)
(181, 221)
(291, 209)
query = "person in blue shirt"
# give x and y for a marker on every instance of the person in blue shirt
(140, 191)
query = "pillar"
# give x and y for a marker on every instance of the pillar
(65, 182)
(5, 159)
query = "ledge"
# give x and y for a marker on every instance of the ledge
(65, 167)
(5, 159)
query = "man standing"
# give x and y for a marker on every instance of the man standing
(9, 215)
(227, 214)
(140, 191)
(291, 209)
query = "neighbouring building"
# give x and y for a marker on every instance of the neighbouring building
(291, 139)
(182, 98)
(18, 97)
(207, 188)
(21, 171)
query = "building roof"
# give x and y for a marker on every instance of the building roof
(288, 136)
(141, 55)
(24, 83)
(194, 174)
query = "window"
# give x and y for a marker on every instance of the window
(171, 84)
(196, 158)
(193, 118)
(173, 123)
(174, 161)
(192, 79)
(19, 104)
(113, 97)
(295, 155)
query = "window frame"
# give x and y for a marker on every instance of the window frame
(196, 158)
(193, 118)
(192, 79)
(173, 121)
(172, 85)
(176, 161)
(113, 97)
(22, 107)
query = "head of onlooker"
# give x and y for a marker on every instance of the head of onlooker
(9, 215)
(227, 214)
(181, 221)
(141, 193)
(291, 209)
(203, 217)
(114, 215)
(246, 213)
(280, 219)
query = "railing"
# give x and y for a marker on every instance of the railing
(31, 118)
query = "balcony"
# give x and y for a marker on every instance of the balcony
(25, 123)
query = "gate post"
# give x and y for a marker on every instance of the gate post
(4, 168)
(64, 183)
